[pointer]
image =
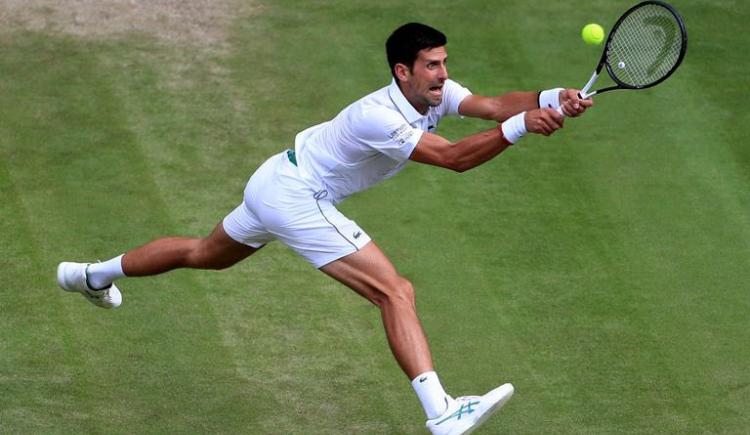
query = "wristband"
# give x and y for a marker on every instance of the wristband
(514, 127)
(550, 98)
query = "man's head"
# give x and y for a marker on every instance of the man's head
(416, 54)
(405, 43)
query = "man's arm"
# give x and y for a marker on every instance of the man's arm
(476, 149)
(519, 113)
(504, 106)
(498, 108)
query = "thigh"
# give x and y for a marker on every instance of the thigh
(368, 271)
(223, 250)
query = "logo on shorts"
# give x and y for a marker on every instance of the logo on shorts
(357, 234)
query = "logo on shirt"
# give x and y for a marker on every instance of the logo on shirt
(402, 133)
(357, 234)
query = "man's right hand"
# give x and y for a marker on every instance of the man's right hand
(543, 121)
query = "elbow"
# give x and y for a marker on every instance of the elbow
(456, 161)
(449, 156)
(459, 167)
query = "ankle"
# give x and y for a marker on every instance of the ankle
(101, 275)
(431, 394)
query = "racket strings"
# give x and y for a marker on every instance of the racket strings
(646, 46)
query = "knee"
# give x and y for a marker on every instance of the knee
(201, 256)
(219, 264)
(401, 292)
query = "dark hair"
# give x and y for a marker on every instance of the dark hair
(405, 43)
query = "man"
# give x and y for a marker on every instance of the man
(292, 198)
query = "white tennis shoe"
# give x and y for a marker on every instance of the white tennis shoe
(72, 277)
(465, 414)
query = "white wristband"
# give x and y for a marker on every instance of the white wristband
(550, 98)
(514, 127)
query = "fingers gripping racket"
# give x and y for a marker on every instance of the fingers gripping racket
(644, 47)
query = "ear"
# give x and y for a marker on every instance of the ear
(402, 72)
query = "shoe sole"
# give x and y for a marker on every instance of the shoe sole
(505, 396)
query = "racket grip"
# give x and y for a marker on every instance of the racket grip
(582, 95)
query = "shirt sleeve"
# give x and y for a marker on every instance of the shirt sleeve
(386, 131)
(453, 95)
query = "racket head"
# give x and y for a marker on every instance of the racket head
(645, 46)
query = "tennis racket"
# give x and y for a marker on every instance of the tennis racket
(644, 47)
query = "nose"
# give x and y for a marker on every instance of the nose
(443, 73)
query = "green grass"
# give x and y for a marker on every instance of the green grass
(604, 271)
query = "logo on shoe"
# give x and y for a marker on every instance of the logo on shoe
(466, 408)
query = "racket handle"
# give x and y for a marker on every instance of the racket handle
(582, 95)
(584, 92)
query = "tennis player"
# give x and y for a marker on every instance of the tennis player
(292, 197)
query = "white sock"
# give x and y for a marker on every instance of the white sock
(431, 394)
(101, 275)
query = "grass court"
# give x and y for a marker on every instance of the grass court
(605, 271)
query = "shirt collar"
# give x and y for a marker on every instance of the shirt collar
(403, 105)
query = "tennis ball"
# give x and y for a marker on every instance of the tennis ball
(592, 34)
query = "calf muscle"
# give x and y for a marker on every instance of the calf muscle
(217, 251)
(370, 273)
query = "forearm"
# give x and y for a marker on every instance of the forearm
(462, 155)
(499, 108)
(479, 148)
(513, 103)
(476, 149)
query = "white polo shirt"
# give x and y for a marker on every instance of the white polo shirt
(369, 141)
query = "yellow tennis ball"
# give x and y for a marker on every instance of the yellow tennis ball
(592, 34)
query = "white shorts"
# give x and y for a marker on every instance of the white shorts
(278, 205)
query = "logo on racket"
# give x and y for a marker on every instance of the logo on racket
(664, 32)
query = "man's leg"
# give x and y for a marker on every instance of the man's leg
(370, 273)
(216, 251)
(96, 281)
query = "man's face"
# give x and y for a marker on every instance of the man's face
(423, 84)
